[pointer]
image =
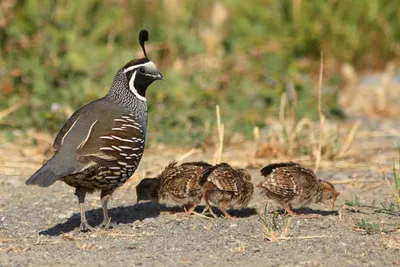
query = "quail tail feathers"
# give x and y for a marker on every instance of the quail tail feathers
(49, 173)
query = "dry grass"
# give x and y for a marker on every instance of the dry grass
(11, 109)
(283, 141)
(394, 189)
(292, 138)
(321, 116)
(14, 249)
(220, 145)
(275, 227)
(377, 99)
(391, 241)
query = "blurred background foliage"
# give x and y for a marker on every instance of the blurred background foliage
(56, 56)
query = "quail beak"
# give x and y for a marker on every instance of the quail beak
(333, 203)
(158, 76)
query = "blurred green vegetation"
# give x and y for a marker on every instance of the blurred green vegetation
(60, 55)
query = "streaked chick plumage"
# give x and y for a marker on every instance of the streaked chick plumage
(101, 144)
(226, 187)
(290, 184)
(176, 185)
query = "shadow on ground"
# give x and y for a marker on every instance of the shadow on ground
(308, 211)
(242, 213)
(119, 215)
(130, 214)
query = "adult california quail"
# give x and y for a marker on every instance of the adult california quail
(289, 183)
(101, 144)
(226, 187)
(176, 185)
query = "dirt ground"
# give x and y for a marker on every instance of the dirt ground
(41, 226)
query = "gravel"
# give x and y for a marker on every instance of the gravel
(41, 227)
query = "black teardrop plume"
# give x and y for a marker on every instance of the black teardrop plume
(143, 37)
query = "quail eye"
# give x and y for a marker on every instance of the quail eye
(142, 70)
(329, 197)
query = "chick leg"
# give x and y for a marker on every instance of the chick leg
(208, 208)
(190, 208)
(105, 197)
(227, 215)
(289, 209)
(80, 192)
(291, 212)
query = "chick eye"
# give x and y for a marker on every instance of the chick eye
(142, 70)
(329, 197)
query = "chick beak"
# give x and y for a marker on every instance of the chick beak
(333, 203)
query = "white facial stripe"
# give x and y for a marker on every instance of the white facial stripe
(149, 66)
(133, 89)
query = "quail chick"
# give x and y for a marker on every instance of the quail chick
(176, 185)
(102, 143)
(290, 184)
(226, 187)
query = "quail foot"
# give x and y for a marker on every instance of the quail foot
(101, 144)
(226, 187)
(290, 184)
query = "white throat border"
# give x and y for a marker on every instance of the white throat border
(132, 87)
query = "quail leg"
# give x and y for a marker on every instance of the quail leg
(190, 208)
(80, 192)
(291, 212)
(208, 208)
(105, 197)
(289, 209)
(227, 215)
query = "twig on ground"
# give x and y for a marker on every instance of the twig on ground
(220, 128)
(188, 154)
(321, 116)
(11, 109)
(349, 140)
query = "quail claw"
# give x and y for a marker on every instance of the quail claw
(106, 224)
(85, 227)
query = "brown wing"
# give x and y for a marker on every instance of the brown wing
(193, 171)
(289, 181)
(99, 134)
(117, 142)
(75, 129)
(170, 170)
(225, 178)
(268, 169)
(58, 142)
(180, 180)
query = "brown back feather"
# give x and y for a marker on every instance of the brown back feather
(180, 180)
(271, 167)
(225, 178)
(289, 180)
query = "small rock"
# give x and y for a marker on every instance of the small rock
(340, 176)
(66, 215)
(16, 183)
